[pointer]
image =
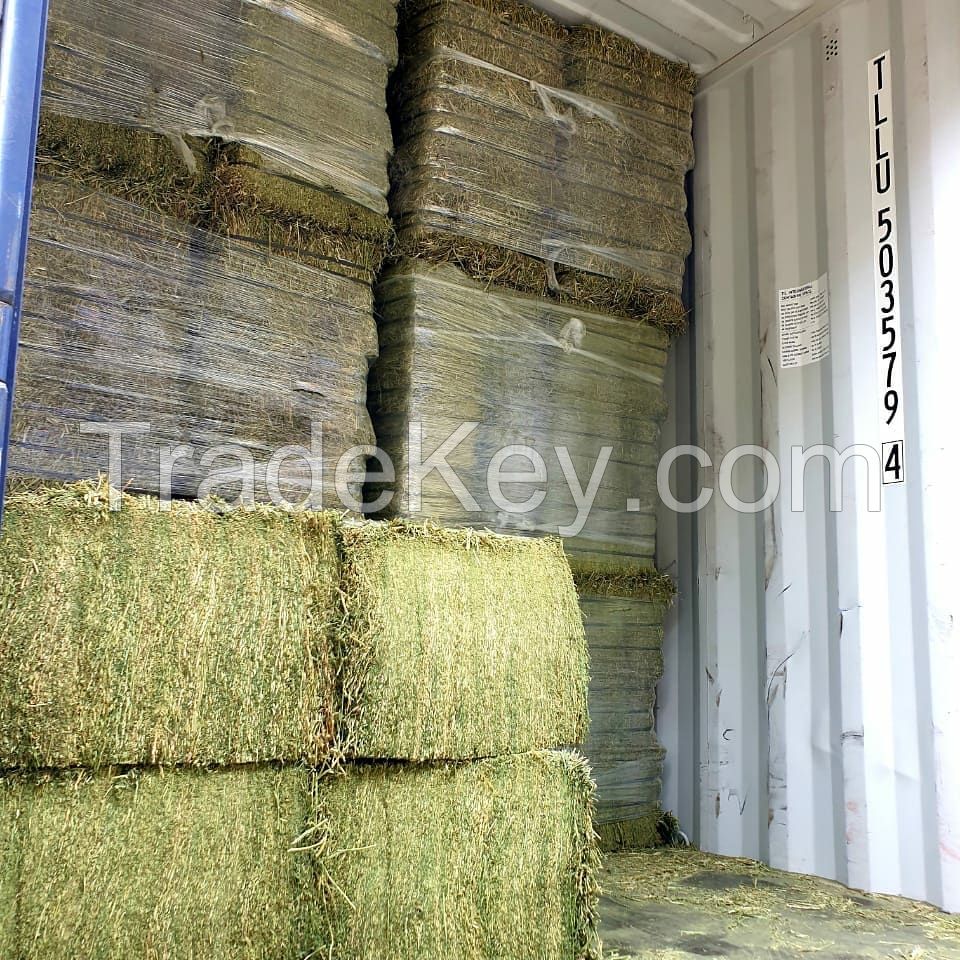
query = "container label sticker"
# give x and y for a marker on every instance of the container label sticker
(805, 324)
(886, 269)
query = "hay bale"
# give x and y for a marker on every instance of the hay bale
(494, 860)
(624, 625)
(457, 645)
(154, 637)
(303, 85)
(130, 316)
(233, 192)
(452, 352)
(505, 184)
(163, 864)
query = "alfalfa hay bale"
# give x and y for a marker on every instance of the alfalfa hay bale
(219, 351)
(302, 84)
(531, 373)
(457, 644)
(146, 636)
(493, 860)
(164, 864)
(228, 189)
(624, 625)
(513, 205)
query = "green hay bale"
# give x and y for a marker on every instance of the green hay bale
(632, 297)
(157, 865)
(494, 860)
(131, 316)
(648, 585)
(605, 47)
(509, 35)
(628, 835)
(143, 636)
(625, 638)
(451, 351)
(300, 84)
(457, 644)
(136, 165)
(234, 192)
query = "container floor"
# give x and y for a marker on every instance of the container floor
(678, 904)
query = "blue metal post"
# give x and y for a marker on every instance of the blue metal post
(23, 30)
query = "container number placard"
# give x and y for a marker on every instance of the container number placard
(886, 268)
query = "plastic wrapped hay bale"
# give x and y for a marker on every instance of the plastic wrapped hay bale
(457, 644)
(162, 864)
(493, 860)
(192, 343)
(624, 624)
(492, 173)
(529, 372)
(303, 84)
(148, 636)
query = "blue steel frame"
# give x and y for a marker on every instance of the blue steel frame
(23, 29)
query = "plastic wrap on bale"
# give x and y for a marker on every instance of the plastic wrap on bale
(132, 317)
(302, 83)
(529, 372)
(624, 625)
(515, 166)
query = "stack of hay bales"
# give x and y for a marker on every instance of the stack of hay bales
(215, 744)
(530, 372)
(211, 212)
(540, 206)
(624, 623)
(517, 167)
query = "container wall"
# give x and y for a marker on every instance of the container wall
(813, 655)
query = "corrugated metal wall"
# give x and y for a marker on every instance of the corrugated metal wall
(811, 707)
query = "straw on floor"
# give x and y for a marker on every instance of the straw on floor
(492, 860)
(457, 644)
(143, 636)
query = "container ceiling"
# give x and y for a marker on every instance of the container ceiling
(704, 33)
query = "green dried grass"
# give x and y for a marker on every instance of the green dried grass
(161, 866)
(139, 636)
(644, 584)
(457, 644)
(602, 45)
(234, 192)
(628, 835)
(512, 14)
(489, 263)
(494, 860)
(506, 41)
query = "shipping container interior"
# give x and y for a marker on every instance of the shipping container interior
(809, 708)
(773, 762)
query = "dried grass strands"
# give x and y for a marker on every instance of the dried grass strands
(156, 864)
(494, 860)
(301, 84)
(208, 341)
(233, 191)
(142, 636)
(457, 644)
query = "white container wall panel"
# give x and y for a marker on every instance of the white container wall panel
(817, 650)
